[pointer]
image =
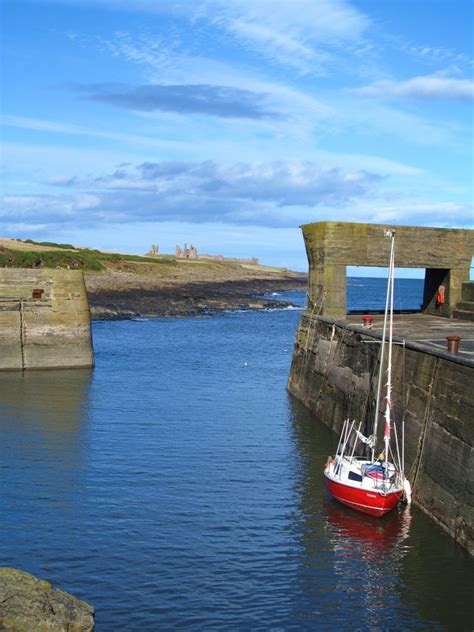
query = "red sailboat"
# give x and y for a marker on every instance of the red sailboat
(372, 485)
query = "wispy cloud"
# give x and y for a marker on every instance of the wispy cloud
(434, 54)
(428, 87)
(301, 34)
(436, 214)
(220, 101)
(41, 125)
(146, 139)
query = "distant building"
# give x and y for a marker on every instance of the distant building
(153, 252)
(192, 253)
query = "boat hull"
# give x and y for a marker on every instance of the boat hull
(369, 502)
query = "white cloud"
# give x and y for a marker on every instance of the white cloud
(280, 193)
(428, 87)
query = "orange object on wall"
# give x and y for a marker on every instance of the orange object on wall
(440, 296)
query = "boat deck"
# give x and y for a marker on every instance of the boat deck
(428, 331)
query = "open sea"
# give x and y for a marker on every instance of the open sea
(178, 486)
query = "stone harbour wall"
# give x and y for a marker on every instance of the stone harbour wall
(334, 373)
(44, 320)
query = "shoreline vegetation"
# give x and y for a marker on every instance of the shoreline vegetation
(124, 286)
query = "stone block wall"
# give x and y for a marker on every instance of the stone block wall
(50, 330)
(334, 373)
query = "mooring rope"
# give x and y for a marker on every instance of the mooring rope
(312, 318)
(422, 438)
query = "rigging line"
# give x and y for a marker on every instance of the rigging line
(22, 335)
(382, 357)
(404, 406)
(397, 446)
(388, 408)
(371, 369)
(356, 438)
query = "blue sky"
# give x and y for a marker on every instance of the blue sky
(228, 123)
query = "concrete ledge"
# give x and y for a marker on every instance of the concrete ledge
(44, 320)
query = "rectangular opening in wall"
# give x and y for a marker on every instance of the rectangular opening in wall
(367, 287)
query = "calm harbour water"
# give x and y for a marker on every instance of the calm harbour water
(179, 486)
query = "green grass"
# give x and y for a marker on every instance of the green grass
(83, 259)
(48, 243)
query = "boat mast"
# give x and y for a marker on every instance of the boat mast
(387, 233)
(388, 404)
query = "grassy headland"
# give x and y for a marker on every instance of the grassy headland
(127, 286)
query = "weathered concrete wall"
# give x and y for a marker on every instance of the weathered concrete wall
(52, 331)
(334, 373)
(331, 246)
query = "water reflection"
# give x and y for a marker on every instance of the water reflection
(52, 400)
(378, 572)
(364, 556)
(43, 438)
(350, 532)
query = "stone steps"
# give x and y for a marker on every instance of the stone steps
(465, 306)
(464, 309)
(463, 314)
(468, 291)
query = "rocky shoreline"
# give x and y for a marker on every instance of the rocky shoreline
(188, 299)
(123, 286)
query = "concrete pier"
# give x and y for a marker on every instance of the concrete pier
(44, 320)
(336, 362)
(445, 254)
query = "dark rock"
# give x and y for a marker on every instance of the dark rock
(192, 299)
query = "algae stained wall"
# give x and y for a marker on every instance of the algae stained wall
(334, 373)
(44, 320)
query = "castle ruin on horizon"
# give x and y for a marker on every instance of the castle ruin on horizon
(192, 253)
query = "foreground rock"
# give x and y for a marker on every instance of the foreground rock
(28, 604)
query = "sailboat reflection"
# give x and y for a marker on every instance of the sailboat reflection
(350, 531)
(368, 562)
